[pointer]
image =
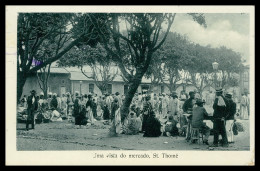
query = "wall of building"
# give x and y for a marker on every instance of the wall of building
(56, 81)
(116, 87)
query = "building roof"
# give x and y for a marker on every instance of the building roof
(77, 75)
(57, 70)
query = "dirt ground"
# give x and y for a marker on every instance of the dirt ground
(65, 136)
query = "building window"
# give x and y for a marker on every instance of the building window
(162, 89)
(246, 76)
(91, 88)
(62, 81)
(125, 88)
(109, 88)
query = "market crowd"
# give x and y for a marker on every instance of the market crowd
(150, 114)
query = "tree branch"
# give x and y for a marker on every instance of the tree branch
(170, 20)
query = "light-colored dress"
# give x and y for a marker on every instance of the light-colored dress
(244, 108)
(173, 106)
(90, 114)
(165, 103)
(118, 121)
(64, 106)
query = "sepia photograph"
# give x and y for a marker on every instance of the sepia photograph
(130, 85)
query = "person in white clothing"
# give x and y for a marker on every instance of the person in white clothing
(173, 106)
(165, 103)
(244, 107)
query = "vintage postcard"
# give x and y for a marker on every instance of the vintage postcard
(130, 85)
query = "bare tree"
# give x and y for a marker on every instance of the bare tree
(103, 72)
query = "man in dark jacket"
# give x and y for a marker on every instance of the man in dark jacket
(32, 107)
(220, 107)
(188, 104)
(230, 118)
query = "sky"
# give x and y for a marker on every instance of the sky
(223, 29)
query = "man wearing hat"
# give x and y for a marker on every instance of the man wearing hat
(32, 107)
(198, 115)
(220, 107)
(230, 118)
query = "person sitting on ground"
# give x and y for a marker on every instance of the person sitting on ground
(198, 115)
(153, 126)
(133, 124)
(170, 127)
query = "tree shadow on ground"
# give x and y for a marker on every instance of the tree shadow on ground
(22, 129)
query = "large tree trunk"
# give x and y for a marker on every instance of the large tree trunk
(45, 92)
(21, 79)
(172, 87)
(133, 86)
(102, 88)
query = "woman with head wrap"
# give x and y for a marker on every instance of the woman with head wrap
(106, 112)
(54, 102)
(89, 107)
(77, 113)
(133, 125)
(115, 118)
(220, 107)
(147, 109)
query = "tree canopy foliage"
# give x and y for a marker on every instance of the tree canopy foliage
(181, 59)
(47, 37)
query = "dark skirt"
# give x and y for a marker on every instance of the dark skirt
(106, 113)
(153, 128)
(144, 123)
(80, 120)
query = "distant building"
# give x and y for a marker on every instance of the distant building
(59, 82)
(62, 80)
